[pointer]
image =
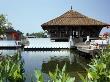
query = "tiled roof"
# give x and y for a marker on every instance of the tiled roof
(12, 30)
(73, 18)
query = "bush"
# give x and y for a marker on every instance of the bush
(10, 69)
(99, 69)
(56, 76)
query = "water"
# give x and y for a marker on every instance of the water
(47, 60)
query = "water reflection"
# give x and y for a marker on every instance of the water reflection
(46, 61)
(8, 52)
(36, 59)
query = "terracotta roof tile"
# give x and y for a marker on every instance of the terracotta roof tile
(73, 18)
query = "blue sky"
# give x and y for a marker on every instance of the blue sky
(28, 15)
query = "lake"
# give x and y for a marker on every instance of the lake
(47, 60)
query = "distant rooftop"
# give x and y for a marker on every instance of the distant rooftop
(12, 30)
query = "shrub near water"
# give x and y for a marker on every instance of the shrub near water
(99, 69)
(10, 69)
(56, 76)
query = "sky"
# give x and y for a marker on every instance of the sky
(28, 15)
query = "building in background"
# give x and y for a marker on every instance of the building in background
(73, 24)
(12, 34)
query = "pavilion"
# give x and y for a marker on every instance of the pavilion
(75, 24)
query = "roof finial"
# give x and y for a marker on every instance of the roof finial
(71, 7)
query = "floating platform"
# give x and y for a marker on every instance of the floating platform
(10, 44)
(46, 43)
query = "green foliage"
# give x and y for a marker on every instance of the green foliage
(57, 76)
(99, 69)
(10, 69)
(83, 78)
(60, 75)
(39, 76)
(38, 34)
(2, 20)
(4, 24)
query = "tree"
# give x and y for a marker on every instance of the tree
(27, 34)
(4, 24)
(38, 34)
